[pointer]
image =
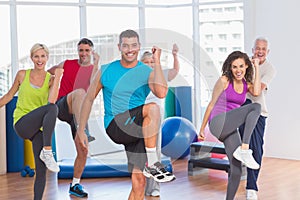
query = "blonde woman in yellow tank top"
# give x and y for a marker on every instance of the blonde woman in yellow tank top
(36, 112)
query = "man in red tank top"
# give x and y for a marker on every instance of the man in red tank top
(74, 84)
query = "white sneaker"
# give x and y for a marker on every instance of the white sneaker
(49, 161)
(155, 193)
(245, 156)
(251, 195)
(159, 173)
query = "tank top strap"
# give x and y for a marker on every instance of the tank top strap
(245, 86)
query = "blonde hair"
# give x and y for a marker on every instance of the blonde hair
(146, 54)
(37, 47)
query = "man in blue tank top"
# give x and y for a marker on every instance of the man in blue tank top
(128, 120)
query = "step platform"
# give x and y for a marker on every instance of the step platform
(107, 165)
(201, 160)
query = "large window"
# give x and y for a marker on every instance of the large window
(5, 49)
(170, 19)
(111, 20)
(5, 36)
(113, 2)
(60, 24)
(35, 25)
(221, 27)
(167, 2)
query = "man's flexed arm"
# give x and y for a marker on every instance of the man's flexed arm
(157, 82)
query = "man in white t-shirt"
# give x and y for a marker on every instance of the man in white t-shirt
(153, 187)
(267, 73)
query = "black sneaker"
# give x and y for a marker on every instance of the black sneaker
(159, 173)
(77, 190)
(90, 138)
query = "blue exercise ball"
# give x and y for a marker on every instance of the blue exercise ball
(177, 135)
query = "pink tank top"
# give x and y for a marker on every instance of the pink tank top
(228, 100)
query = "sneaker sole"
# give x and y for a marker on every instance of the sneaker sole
(56, 171)
(148, 175)
(155, 193)
(91, 139)
(77, 195)
(236, 156)
(252, 167)
(240, 159)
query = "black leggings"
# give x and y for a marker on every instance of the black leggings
(29, 127)
(224, 126)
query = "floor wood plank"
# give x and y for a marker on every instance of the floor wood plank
(279, 180)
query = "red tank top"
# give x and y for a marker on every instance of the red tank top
(74, 77)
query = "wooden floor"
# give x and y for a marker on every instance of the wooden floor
(279, 180)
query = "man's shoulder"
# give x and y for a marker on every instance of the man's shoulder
(145, 67)
(267, 67)
(70, 62)
(111, 64)
(267, 64)
(140, 63)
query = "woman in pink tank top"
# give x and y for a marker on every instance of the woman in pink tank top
(225, 114)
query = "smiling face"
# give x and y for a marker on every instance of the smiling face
(129, 48)
(238, 68)
(84, 53)
(148, 60)
(260, 50)
(39, 59)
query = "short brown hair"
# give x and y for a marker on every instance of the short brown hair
(128, 34)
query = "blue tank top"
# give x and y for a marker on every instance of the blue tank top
(123, 88)
(228, 100)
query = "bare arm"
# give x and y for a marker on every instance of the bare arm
(96, 59)
(174, 71)
(14, 88)
(157, 82)
(86, 107)
(54, 85)
(218, 89)
(52, 69)
(255, 88)
(263, 86)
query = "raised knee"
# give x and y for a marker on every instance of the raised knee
(257, 107)
(53, 108)
(153, 109)
(79, 92)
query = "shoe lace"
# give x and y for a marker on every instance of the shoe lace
(48, 157)
(160, 167)
(79, 187)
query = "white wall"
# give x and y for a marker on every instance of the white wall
(278, 21)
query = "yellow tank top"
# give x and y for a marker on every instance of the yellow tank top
(29, 97)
